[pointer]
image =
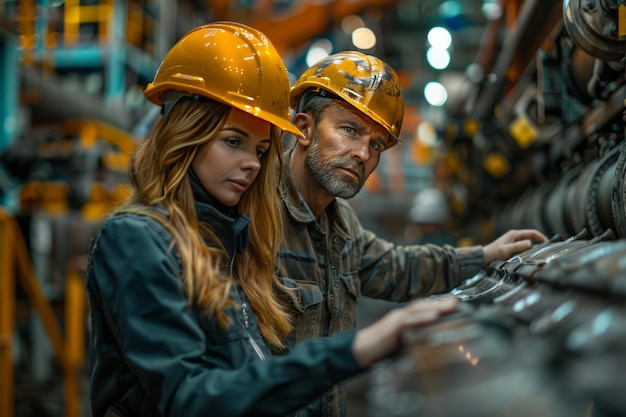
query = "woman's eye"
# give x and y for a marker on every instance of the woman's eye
(232, 142)
(260, 152)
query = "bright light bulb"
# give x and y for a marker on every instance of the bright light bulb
(435, 94)
(439, 37)
(438, 58)
(364, 38)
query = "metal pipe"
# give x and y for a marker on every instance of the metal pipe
(49, 101)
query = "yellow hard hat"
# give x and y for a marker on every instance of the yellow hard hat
(231, 63)
(364, 81)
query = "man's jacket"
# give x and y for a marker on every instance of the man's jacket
(333, 262)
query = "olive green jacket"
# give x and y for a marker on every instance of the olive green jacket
(332, 268)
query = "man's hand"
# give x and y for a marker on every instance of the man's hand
(511, 243)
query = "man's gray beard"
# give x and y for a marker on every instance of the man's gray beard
(324, 175)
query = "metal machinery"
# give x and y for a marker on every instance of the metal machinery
(72, 74)
(543, 333)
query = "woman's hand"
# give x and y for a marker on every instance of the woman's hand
(383, 338)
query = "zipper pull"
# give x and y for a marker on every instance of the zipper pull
(254, 344)
(244, 310)
(246, 322)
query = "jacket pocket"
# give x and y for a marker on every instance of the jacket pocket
(352, 285)
(305, 300)
(302, 295)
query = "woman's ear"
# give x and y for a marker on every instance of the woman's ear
(304, 122)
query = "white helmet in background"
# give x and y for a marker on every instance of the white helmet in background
(430, 205)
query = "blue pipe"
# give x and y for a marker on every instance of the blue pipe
(9, 99)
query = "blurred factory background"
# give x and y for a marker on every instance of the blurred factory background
(515, 110)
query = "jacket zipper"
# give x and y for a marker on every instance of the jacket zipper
(254, 344)
(246, 321)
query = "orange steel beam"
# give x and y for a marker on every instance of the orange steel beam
(90, 129)
(14, 249)
(75, 308)
(75, 14)
(7, 314)
(305, 21)
(36, 296)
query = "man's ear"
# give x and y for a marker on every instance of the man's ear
(304, 122)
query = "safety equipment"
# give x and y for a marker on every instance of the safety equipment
(364, 81)
(231, 63)
(430, 206)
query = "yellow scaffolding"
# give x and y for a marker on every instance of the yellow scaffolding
(69, 348)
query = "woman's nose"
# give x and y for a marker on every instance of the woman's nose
(251, 161)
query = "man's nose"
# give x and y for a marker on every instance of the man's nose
(361, 150)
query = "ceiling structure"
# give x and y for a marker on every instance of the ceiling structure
(401, 28)
(95, 65)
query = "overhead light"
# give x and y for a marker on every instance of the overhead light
(319, 50)
(438, 58)
(450, 8)
(364, 38)
(435, 94)
(350, 23)
(491, 9)
(427, 133)
(439, 37)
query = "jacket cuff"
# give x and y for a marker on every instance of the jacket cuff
(344, 362)
(470, 260)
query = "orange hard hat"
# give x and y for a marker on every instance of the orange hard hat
(364, 81)
(231, 63)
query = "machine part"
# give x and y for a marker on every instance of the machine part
(516, 260)
(580, 192)
(593, 25)
(598, 205)
(364, 81)
(493, 283)
(618, 195)
(590, 268)
(557, 207)
(528, 210)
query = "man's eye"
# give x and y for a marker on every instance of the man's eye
(377, 146)
(349, 129)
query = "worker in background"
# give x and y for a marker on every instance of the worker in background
(185, 319)
(427, 219)
(349, 108)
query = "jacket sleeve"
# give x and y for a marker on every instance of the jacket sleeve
(400, 273)
(164, 346)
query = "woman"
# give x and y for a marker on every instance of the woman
(185, 308)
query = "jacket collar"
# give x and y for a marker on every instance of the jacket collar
(225, 222)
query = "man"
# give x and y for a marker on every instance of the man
(349, 108)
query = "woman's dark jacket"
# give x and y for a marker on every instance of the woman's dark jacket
(154, 355)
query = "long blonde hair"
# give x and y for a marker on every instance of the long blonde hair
(158, 171)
